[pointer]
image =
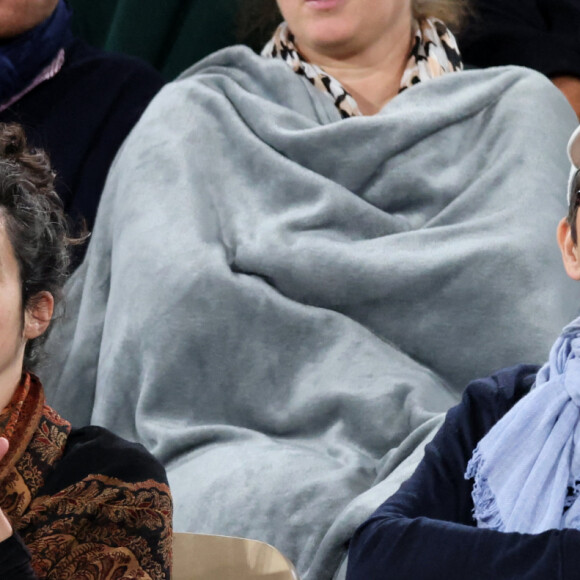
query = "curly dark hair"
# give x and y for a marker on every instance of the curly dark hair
(35, 223)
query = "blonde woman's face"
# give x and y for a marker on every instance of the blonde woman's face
(343, 28)
(18, 16)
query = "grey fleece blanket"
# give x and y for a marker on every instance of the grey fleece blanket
(279, 304)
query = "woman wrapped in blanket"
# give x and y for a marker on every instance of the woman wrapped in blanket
(496, 495)
(302, 257)
(74, 503)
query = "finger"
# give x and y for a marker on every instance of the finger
(5, 527)
(4, 445)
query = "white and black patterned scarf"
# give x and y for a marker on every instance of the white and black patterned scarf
(434, 53)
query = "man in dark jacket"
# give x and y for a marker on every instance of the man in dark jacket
(76, 102)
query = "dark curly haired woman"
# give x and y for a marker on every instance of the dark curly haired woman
(74, 503)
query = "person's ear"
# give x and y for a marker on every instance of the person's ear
(570, 252)
(38, 315)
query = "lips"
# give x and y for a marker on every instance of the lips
(323, 4)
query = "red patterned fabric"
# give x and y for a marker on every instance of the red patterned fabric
(91, 526)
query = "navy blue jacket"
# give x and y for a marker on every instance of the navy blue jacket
(82, 116)
(426, 530)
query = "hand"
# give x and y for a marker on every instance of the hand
(5, 526)
(570, 86)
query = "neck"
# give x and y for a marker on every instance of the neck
(9, 380)
(373, 76)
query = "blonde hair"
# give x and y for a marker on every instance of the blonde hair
(453, 12)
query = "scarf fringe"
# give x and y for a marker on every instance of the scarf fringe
(485, 508)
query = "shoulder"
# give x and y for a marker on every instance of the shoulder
(485, 401)
(233, 58)
(106, 503)
(533, 99)
(510, 82)
(237, 71)
(508, 385)
(499, 84)
(96, 452)
(238, 67)
(86, 60)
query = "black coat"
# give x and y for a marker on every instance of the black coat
(81, 117)
(540, 34)
(426, 530)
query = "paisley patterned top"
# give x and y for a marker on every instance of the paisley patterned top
(434, 53)
(85, 503)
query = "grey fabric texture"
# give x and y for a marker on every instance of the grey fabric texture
(280, 304)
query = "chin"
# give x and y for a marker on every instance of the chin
(329, 38)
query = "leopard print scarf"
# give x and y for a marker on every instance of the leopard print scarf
(434, 53)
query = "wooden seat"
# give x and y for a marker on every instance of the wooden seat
(208, 557)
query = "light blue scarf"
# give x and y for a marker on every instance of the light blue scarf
(527, 468)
